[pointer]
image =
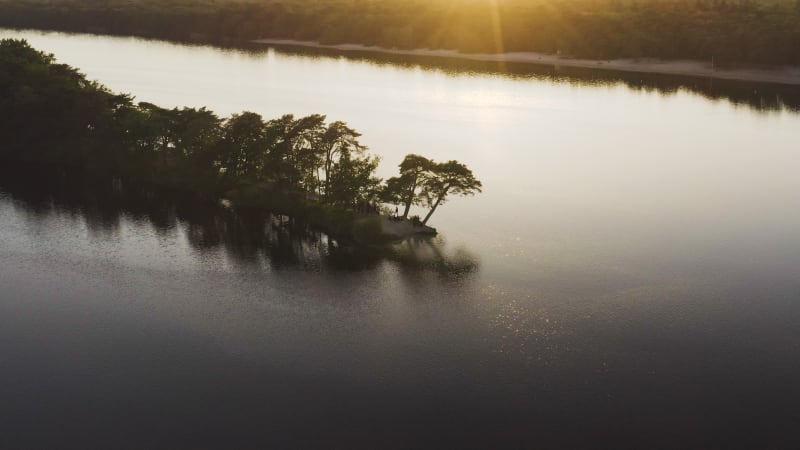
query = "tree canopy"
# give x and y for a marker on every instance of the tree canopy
(51, 113)
(410, 187)
(425, 182)
(450, 178)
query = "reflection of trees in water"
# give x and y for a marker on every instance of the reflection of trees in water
(429, 253)
(248, 237)
(759, 96)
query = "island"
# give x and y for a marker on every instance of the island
(307, 168)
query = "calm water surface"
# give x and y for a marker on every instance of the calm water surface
(629, 277)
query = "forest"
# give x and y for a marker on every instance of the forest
(305, 167)
(763, 32)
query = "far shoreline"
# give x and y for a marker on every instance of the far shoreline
(784, 75)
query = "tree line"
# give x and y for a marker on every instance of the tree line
(50, 112)
(729, 31)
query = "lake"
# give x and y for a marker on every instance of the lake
(630, 276)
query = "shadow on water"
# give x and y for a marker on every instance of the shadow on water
(763, 97)
(248, 237)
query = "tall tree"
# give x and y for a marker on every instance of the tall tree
(337, 140)
(293, 142)
(353, 181)
(449, 178)
(411, 186)
(243, 144)
(304, 154)
(195, 130)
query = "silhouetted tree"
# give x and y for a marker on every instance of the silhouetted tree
(411, 186)
(243, 145)
(450, 178)
(338, 140)
(294, 152)
(304, 156)
(195, 130)
(352, 181)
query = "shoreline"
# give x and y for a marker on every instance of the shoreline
(785, 75)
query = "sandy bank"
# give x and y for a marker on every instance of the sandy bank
(787, 75)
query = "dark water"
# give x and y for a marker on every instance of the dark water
(630, 277)
(133, 317)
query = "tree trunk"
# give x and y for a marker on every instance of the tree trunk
(410, 198)
(319, 186)
(327, 174)
(430, 213)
